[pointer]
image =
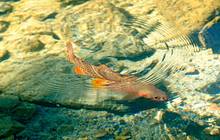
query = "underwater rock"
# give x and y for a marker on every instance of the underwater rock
(9, 126)
(65, 128)
(214, 130)
(186, 14)
(159, 116)
(41, 81)
(72, 2)
(101, 133)
(8, 102)
(11, 137)
(36, 9)
(192, 72)
(125, 134)
(87, 29)
(49, 16)
(3, 26)
(31, 44)
(210, 34)
(5, 8)
(24, 111)
(4, 54)
(212, 88)
(214, 107)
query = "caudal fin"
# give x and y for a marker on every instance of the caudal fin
(69, 50)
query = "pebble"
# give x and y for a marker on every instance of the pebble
(101, 133)
(5, 8)
(159, 116)
(214, 107)
(191, 71)
(124, 135)
(214, 131)
(177, 101)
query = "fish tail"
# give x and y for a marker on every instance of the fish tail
(71, 56)
(81, 67)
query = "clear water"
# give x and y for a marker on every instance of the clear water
(42, 98)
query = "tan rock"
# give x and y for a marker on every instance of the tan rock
(5, 8)
(188, 15)
(159, 116)
(214, 107)
(3, 26)
(215, 130)
(37, 9)
(30, 44)
(98, 25)
(191, 70)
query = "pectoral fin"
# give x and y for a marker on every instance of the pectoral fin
(98, 82)
(78, 70)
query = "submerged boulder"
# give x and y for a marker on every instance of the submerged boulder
(8, 102)
(9, 127)
(210, 34)
(24, 111)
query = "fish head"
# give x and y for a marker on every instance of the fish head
(152, 93)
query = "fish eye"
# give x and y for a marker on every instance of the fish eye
(156, 98)
(160, 98)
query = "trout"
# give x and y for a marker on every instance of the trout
(104, 77)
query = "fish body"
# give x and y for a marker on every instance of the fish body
(104, 77)
(135, 89)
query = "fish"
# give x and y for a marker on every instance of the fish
(104, 77)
